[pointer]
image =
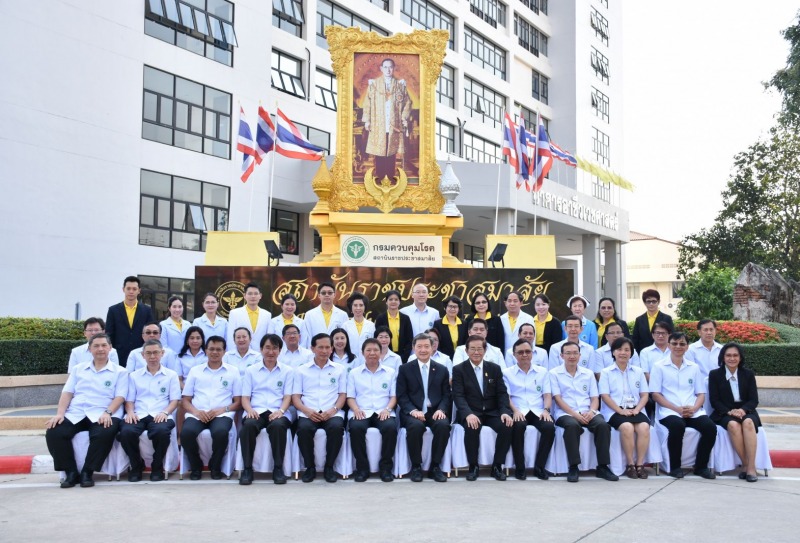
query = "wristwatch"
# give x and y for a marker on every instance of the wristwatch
(109, 411)
(282, 411)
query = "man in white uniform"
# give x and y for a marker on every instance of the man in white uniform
(251, 316)
(421, 315)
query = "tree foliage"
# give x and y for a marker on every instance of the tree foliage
(708, 294)
(787, 79)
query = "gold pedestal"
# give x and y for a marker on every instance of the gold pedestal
(331, 226)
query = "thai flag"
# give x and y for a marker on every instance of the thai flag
(292, 144)
(265, 134)
(563, 156)
(524, 159)
(543, 158)
(245, 144)
(510, 142)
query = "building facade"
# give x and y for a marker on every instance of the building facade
(652, 263)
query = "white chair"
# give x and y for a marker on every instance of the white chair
(204, 444)
(341, 465)
(115, 463)
(532, 437)
(171, 459)
(486, 447)
(726, 459)
(691, 439)
(263, 461)
(374, 442)
(558, 462)
(402, 461)
(618, 460)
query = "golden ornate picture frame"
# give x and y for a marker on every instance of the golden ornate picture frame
(347, 195)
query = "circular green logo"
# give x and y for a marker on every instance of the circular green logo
(107, 384)
(280, 383)
(224, 383)
(538, 389)
(163, 390)
(585, 388)
(637, 384)
(691, 381)
(333, 380)
(356, 249)
(384, 386)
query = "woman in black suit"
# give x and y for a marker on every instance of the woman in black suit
(404, 333)
(452, 332)
(606, 314)
(737, 415)
(481, 309)
(548, 328)
(642, 335)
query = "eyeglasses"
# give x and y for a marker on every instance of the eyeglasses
(659, 333)
(476, 349)
(289, 334)
(524, 353)
(651, 301)
(481, 302)
(326, 293)
(678, 344)
(151, 332)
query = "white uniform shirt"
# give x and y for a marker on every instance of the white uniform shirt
(296, 358)
(93, 391)
(189, 361)
(314, 323)
(81, 354)
(319, 388)
(371, 391)
(266, 388)
(276, 324)
(219, 328)
(706, 359)
(356, 339)
(539, 358)
(513, 335)
(169, 359)
(527, 390)
(678, 385)
(618, 384)
(250, 358)
(170, 335)
(420, 320)
(240, 318)
(213, 388)
(576, 392)
(602, 359)
(345, 361)
(650, 355)
(150, 393)
(555, 359)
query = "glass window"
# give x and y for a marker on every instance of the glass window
(633, 292)
(600, 25)
(326, 94)
(329, 13)
(446, 87)
(157, 290)
(491, 11)
(486, 54)
(601, 147)
(483, 102)
(473, 255)
(530, 37)
(540, 86)
(537, 6)
(320, 138)
(427, 16)
(288, 15)
(599, 63)
(445, 137)
(478, 149)
(287, 225)
(600, 104)
(286, 74)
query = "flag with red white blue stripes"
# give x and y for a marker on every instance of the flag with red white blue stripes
(265, 133)
(292, 143)
(246, 146)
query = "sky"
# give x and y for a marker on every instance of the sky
(693, 73)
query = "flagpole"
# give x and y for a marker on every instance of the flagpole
(272, 171)
(499, 169)
(252, 184)
(535, 163)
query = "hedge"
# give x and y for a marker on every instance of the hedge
(773, 360)
(32, 328)
(35, 356)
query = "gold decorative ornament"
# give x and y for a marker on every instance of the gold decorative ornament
(386, 194)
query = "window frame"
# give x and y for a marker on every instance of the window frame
(487, 95)
(599, 63)
(485, 9)
(540, 86)
(450, 141)
(600, 104)
(433, 12)
(296, 79)
(470, 151)
(284, 247)
(325, 92)
(285, 19)
(486, 48)
(323, 19)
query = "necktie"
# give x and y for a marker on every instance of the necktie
(425, 383)
(478, 377)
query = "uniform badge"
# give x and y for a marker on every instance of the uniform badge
(691, 381)
(385, 386)
(163, 390)
(538, 389)
(637, 384)
(333, 380)
(280, 383)
(107, 384)
(585, 388)
(224, 383)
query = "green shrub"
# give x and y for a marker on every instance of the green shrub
(32, 328)
(742, 332)
(773, 359)
(789, 333)
(35, 356)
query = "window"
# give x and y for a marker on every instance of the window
(599, 63)
(473, 256)
(183, 113)
(445, 137)
(491, 11)
(600, 25)
(287, 225)
(329, 13)
(540, 86)
(446, 87)
(525, 114)
(427, 16)
(483, 102)
(677, 287)
(600, 104)
(287, 73)
(633, 292)
(326, 90)
(319, 138)
(604, 3)
(600, 147)
(529, 37)
(478, 149)
(157, 290)
(177, 212)
(486, 54)
(383, 4)
(204, 27)
(536, 5)
(288, 15)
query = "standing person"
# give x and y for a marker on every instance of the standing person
(658, 350)
(481, 398)
(136, 361)
(386, 116)
(577, 306)
(90, 401)
(153, 396)
(324, 318)
(173, 328)
(573, 326)
(192, 353)
(399, 324)
(548, 328)
(358, 328)
(293, 354)
(342, 353)
(241, 356)
(677, 387)
(287, 316)
(421, 314)
(539, 356)
(642, 334)
(266, 397)
(126, 319)
(91, 327)
(734, 398)
(705, 351)
(481, 309)
(211, 397)
(513, 318)
(423, 394)
(452, 332)
(319, 391)
(606, 314)
(210, 322)
(477, 327)
(251, 316)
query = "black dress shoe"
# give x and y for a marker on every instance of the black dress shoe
(387, 477)
(742, 475)
(705, 473)
(195, 475)
(157, 476)
(216, 474)
(541, 473)
(472, 473)
(71, 479)
(278, 477)
(330, 475)
(604, 472)
(498, 473)
(519, 473)
(572, 476)
(246, 478)
(360, 477)
(309, 475)
(86, 479)
(416, 474)
(134, 476)
(752, 478)
(438, 475)
(676, 473)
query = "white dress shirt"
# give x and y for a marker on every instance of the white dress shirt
(706, 359)
(372, 391)
(602, 359)
(319, 388)
(170, 335)
(555, 359)
(219, 328)
(539, 358)
(93, 391)
(492, 354)
(242, 362)
(421, 320)
(189, 361)
(512, 335)
(356, 339)
(527, 390)
(314, 323)
(81, 354)
(620, 385)
(576, 391)
(239, 318)
(650, 355)
(438, 356)
(296, 358)
(678, 385)
(733, 381)
(169, 359)
(152, 393)
(211, 389)
(266, 388)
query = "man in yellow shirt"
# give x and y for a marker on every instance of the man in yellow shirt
(125, 320)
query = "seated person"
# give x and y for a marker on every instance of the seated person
(153, 396)
(527, 331)
(242, 356)
(91, 326)
(531, 400)
(734, 398)
(575, 392)
(477, 327)
(136, 361)
(90, 401)
(211, 396)
(389, 358)
(371, 397)
(573, 326)
(266, 397)
(677, 387)
(481, 398)
(437, 355)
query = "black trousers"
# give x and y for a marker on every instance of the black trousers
(572, 436)
(101, 439)
(472, 439)
(276, 430)
(415, 429)
(334, 430)
(358, 441)
(159, 434)
(219, 428)
(677, 428)
(547, 435)
(384, 166)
